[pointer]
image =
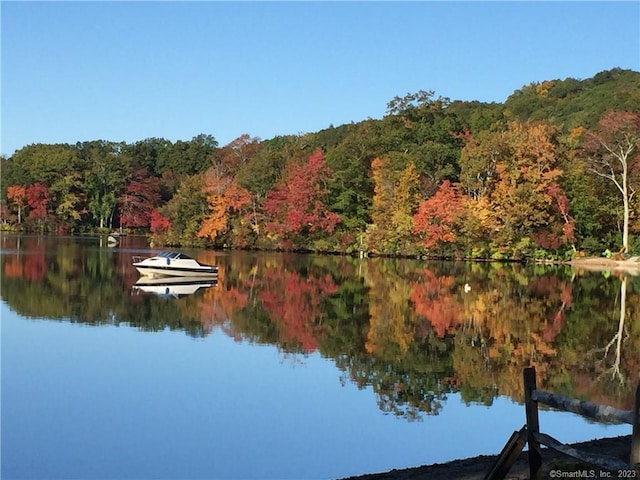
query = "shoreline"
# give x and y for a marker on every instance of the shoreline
(475, 468)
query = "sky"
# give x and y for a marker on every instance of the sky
(127, 71)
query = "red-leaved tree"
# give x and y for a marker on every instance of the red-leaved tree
(159, 223)
(140, 198)
(38, 200)
(436, 217)
(296, 203)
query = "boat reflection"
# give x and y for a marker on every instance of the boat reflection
(173, 287)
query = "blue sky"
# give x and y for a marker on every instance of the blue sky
(126, 71)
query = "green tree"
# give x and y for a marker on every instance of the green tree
(185, 211)
(188, 158)
(40, 163)
(591, 211)
(148, 154)
(422, 127)
(70, 198)
(59, 168)
(351, 191)
(106, 172)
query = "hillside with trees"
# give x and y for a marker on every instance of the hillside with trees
(549, 173)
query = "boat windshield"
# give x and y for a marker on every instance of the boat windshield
(174, 255)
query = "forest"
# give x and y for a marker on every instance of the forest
(550, 173)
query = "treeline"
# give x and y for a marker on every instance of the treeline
(540, 175)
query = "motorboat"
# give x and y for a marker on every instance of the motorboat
(173, 287)
(173, 264)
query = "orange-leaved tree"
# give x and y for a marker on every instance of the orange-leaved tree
(225, 197)
(436, 218)
(516, 171)
(396, 185)
(520, 198)
(17, 194)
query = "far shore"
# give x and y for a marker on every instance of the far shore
(631, 265)
(592, 263)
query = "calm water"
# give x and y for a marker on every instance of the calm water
(292, 366)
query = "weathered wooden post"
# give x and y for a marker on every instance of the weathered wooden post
(533, 425)
(635, 436)
(508, 455)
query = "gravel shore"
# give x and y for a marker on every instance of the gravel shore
(555, 465)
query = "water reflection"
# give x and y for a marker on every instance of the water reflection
(609, 360)
(173, 287)
(617, 338)
(414, 332)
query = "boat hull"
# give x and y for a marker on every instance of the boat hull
(173, 264)
(158, 271)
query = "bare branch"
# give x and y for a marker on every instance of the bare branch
(611, 177)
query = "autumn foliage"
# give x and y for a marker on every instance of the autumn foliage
(17, 195)
(141, 197)
(537, 177)
(437, 217)
(433, 298)
(294, 304)
(225, 197)
(159, 223)
(296, 205)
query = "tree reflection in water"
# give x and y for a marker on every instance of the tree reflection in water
(413, 332)
(612, 368)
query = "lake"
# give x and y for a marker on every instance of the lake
(293, 366)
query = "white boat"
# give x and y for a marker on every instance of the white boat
(173, 264)
(173, 287)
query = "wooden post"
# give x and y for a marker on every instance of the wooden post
(533, 425)
(635, 436)
(508, 455)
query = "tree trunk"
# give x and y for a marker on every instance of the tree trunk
(625, 202)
